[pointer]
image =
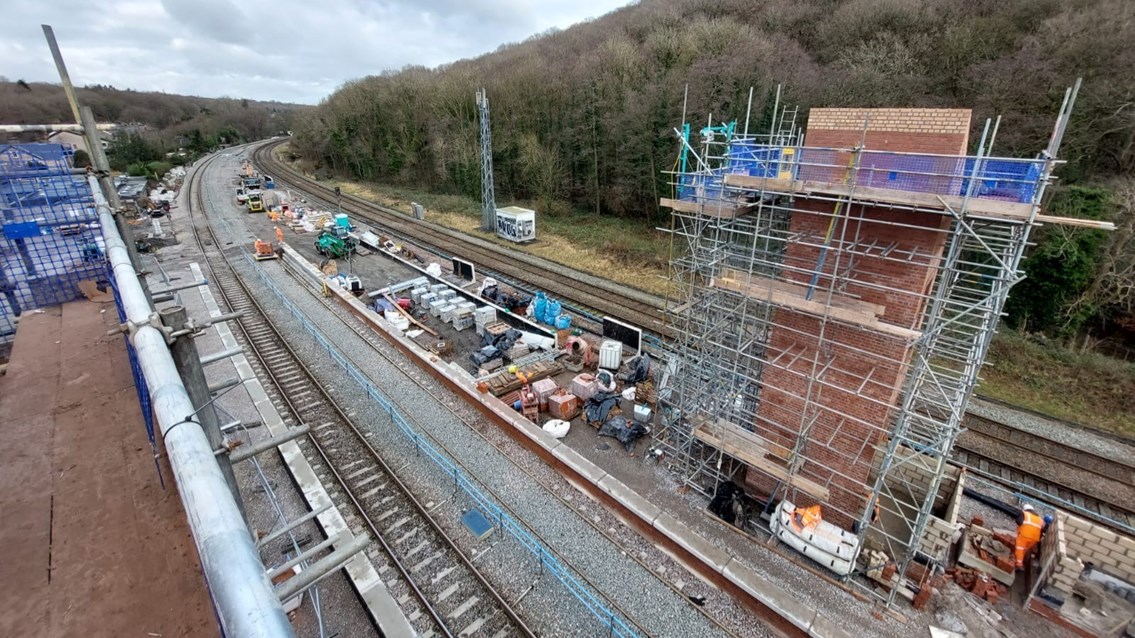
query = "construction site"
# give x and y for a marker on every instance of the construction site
(373, 424)
(837, 286)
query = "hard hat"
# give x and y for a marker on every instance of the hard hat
(1048, 519)
(513, 368)
(1027, 507)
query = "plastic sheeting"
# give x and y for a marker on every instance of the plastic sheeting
(557, 428)
(627, 432)
(599, 405)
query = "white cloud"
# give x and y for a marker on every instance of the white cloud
(288, 50)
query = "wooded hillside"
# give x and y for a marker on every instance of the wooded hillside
(168, 117)
(583, 117)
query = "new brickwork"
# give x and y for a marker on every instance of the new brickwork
(1078, 542)
(852, 404)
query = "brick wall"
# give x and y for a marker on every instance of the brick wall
(1065, 568)
(849, 421)
(1092, 543)
(944, 131)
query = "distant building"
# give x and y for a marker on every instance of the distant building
(76, 141)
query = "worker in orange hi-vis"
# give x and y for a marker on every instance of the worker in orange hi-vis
(1029, 528)
(279, 235)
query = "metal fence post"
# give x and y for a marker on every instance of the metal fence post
(188, 364)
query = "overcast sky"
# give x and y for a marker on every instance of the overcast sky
(288, 50)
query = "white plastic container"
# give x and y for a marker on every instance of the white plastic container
(416, 294)
(611, 355)
(427, 299)
(447, 312)
(436, 306)
(642, 413)
(462, 319)
(485, 315)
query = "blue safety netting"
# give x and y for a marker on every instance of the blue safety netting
(49, 232)
(1011, 180)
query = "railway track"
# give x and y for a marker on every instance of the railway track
(1093, 486)
(1097, 487)
(443, 594)
(596, 295)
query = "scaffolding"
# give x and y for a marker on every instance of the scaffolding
(49, 235)
(832, 308)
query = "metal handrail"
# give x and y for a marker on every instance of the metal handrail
(245, 601)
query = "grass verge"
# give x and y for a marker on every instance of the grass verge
(1087, 388)
(617, 249)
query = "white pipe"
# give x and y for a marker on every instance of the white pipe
(246, 602)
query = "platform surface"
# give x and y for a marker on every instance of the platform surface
(92, 545)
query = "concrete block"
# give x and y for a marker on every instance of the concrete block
(256, 392)
(579, 464)
(700, 548)
(1104, 534)
(632, 500)
(771, 595)
(1127, 543)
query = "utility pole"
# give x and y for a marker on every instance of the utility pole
(85, 118)
(488, 194)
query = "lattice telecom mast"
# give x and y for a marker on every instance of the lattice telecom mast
(488, 195)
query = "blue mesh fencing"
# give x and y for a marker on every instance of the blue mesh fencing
(49, 232)
(140, 385)
(50, 241)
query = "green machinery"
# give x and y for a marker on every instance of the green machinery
(335, 242)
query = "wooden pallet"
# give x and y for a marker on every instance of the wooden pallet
(504, 382)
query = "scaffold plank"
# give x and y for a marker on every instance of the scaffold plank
(749, 448)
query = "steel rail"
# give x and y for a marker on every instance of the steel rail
(403, 570)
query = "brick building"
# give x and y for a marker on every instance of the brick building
(834, 397)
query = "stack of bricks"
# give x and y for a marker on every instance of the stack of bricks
(978, 584)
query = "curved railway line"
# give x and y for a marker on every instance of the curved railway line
(1093, 486)
(584, 290)
(447, 595)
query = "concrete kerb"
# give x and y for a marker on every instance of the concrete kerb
(381, 606)
(589, 476)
